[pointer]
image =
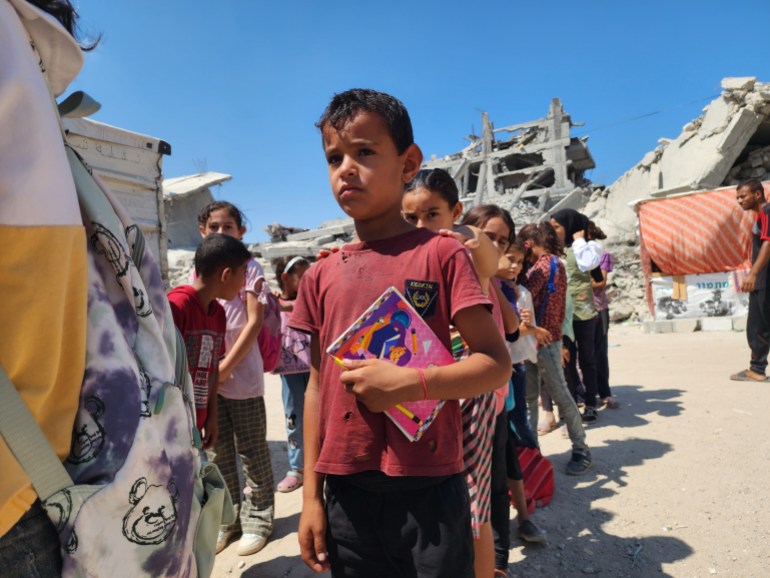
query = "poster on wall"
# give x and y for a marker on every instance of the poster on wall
(695, 296)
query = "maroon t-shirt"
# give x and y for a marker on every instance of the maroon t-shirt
(436, 276)
(204, 336)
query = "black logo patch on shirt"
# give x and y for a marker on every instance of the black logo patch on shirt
(422, 295)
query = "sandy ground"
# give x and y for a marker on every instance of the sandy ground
(680, 482)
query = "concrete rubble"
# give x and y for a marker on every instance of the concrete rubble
(540, 168)
(729, 142)
(535, 169)
(531, 169)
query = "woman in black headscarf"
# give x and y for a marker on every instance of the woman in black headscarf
(581, 258)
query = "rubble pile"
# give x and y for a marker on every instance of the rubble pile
(530, 169)
(756, 166)
(711, 151)
(729, 142)
(625, 286)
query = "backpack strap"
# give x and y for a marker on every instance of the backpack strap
(135, 239)
(550, 287)
(28, 444)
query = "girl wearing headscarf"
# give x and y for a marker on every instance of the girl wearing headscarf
(581, 257)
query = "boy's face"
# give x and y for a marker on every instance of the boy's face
(748, 200)
(366, 172)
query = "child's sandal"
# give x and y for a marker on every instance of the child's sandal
(291, 482)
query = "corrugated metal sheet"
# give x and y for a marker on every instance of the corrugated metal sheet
(131, 165)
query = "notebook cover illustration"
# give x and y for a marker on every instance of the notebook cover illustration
(391, 329)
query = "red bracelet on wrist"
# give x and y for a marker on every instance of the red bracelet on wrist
(424, 384)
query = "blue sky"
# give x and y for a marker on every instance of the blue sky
(236, 86)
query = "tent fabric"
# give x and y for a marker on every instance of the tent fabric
(704, 232)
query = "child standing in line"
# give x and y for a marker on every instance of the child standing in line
(390, 507)
(530, 336)
(606, 399)
(294, 366)
(220, 264)
(547, 282)
(432, 201)
(581, 256)
(242, 422)
(498, 226)
(522, 348)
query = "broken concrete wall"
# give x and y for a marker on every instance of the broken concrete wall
(529, 168)
(703, 156)
(729, 142)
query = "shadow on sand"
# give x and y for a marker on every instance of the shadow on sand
(580, 538)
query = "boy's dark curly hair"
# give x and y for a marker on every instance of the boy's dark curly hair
(344, 107)
(217, 252)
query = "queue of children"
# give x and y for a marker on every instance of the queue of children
(375, 504)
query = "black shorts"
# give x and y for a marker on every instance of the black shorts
(512, 466)
(416, 533)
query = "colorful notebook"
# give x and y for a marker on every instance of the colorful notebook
(392, 330)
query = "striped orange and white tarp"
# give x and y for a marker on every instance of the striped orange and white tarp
(703, 232)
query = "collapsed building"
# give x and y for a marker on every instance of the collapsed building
(531, 169)
(536, 169)
(664, 271)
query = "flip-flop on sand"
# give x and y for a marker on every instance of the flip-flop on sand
(745, 375)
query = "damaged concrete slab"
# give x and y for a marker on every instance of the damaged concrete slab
(530, 168)
(729, 142)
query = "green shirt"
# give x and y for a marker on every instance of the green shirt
(579, 287)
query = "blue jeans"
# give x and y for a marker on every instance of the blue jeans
(294, 386)
(518, 415)
(31, 548)
(550, 372)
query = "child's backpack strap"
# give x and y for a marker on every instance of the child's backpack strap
(550, 287)
(28, 443)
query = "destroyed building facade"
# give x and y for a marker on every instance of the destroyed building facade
(730, 141)
(530, 169)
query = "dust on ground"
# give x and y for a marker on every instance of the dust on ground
(679, 487)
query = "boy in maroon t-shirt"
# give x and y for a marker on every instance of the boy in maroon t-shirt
(220, 266)
(390, 506)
